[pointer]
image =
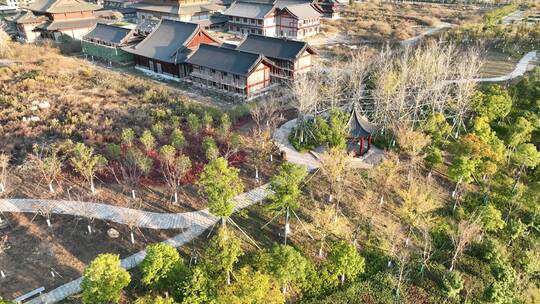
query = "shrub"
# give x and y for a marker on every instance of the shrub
(159, 262)
(148, 140)
(210, 148)
(103, 280)
(177, 139)
(452, 284)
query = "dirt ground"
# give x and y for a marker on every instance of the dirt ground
(34, 250)
(374, 21)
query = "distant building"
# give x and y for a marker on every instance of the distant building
(182, 10)
(231, 71)
(15, 3)
(289, 58)
(105, 42)
(292, 19)
(165, 50)
(124, 7)
(52, 19)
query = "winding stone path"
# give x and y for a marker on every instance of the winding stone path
(525, 64)
(195, 224)
(311, 159)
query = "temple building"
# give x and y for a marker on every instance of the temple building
(289, 57)
(296, 20)
(105, 42)
(52, 19)
(165, 50)
(234, 72)
(182, 10)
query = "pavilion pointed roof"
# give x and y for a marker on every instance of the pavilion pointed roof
(62, 6)
(359, 125)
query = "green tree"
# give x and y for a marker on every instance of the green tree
(286, 191)
(287, 265)
(437, 128)
(210, 148)
(224, 127)
(103, 280)
(462, 169)
(434, 157)
(338, 130)
(520, 132)
(128, 136)
(197, 289)
(220, 184)
(174, 168)
(251, 287)
(149, 299)
(344, 260)
(194, 123)
(148, 140)
(491, 218)
(222, 253)
(86, 163)
(531, 262)
(207, 121)
(160, 261)
(177, 139)
(494, 103)
(452, 284)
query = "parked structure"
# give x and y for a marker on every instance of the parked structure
(232, 71)
(183, 10)
(53, 19)
(105, 42)
(283, 19)
(289, 57)
(165, 50)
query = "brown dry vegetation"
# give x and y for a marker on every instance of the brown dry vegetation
(376, 21)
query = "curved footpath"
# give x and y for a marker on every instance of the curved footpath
(194, 223)
(524, 65)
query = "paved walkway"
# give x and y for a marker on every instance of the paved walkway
(441, 26)
(526, 63)
(195, 224)
(311, 159)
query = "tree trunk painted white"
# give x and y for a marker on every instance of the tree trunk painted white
(89, 229)
(228, 278)
(176, 197)
(342, 279)
(51, 189)
(48, 222)
(271, 158)
(2, 187)
(286, 226)
(330, 198)
(132, 238)
(92, 187)
(257, 174)
(2, 274)
(133, 194)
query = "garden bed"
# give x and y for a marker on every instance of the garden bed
(65, 249)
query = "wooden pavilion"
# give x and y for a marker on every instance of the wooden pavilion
(360, 133)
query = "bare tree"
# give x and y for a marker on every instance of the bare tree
(335, 168)
(48, 163)
(174, 168)
(305, 99)
(4, 171)
(467, 230)
(326, 221)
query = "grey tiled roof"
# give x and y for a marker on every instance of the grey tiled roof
(62, 6)
(107, 33)
(69, 24)
(225, 59)
(303, 11)
(271, 47)
(167, 42)
(178, 10)
(249, 10)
